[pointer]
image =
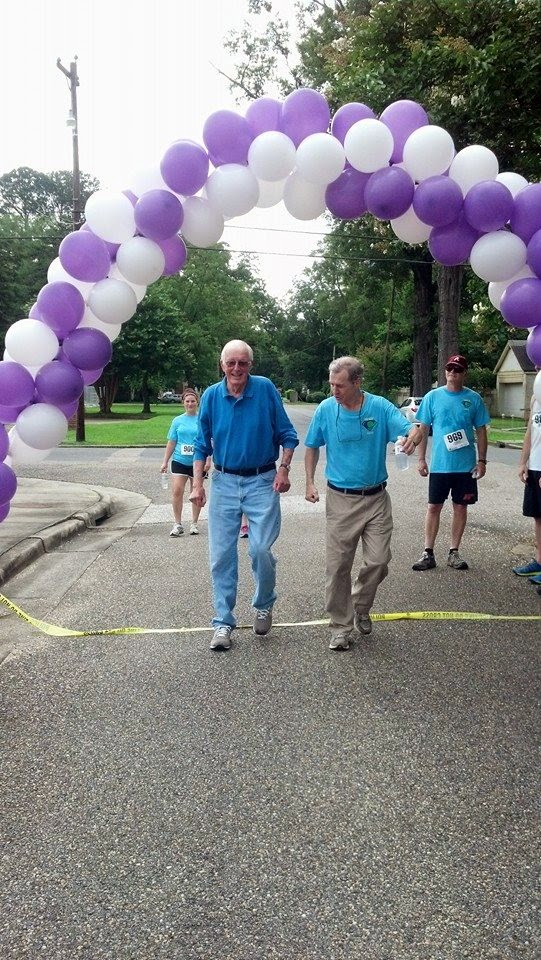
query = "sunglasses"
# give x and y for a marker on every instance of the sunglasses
(452, 368)
(236, 363)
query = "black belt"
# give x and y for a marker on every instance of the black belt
(249, 471)
(359, 491)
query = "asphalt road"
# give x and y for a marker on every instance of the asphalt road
(277, 802)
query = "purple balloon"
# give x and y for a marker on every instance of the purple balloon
(263, 114)
(402, 118)
(90, 376)
(453, 243)
(526, 216)
(84, 256)
(227, 137)
(88, 348)
(16, 385)
(175, 253)
(68, 409)
(9, 414)
(488, 205)
(111, 247)
(131, 196)
(34, 313)
(533, 345)
(61, 307)
(4, 442)
(389, 193)
(346, 116)
(534, 253)
(304, 112)
(438, 201)
(58, 382)
(8, 483)
(158, 214)
(4, 510)
(521, 303)
(185, 167)
(344, 197)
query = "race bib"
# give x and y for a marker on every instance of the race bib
(456, 440)
(186, 449)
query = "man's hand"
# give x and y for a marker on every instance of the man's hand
(311, 494)
(523, 472)
(281, 483)
(423, 467)
(198, 495)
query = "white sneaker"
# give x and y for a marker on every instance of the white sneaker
(194, 529)
(263, 622)
(176, 530)
(340, 640)
(222, 638)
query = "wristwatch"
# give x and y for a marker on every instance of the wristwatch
(286, 466)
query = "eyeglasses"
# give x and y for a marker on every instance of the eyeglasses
(452, 368)
(236, 363)
(347, 430)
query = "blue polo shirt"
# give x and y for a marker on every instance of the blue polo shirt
(244, 432)
(356, 441)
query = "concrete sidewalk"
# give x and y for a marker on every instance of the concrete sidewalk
(45, 513)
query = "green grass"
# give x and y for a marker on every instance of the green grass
(506, 430)
(127, 426)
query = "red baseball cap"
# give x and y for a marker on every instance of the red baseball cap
(458, 361)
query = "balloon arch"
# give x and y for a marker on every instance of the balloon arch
(399, 167)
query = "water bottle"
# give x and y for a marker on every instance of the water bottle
(164, 481)
(475, 474)
(401, 459)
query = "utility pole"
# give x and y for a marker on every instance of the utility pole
(73, 83)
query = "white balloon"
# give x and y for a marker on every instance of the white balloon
(21, 453)
(270, 193)
(203, 225)
(138, 288)
(428, 152)
(140, 260)
(320, 158)
(303, 200)
(148, 178)
(112, 301)
(110, 215)
(498, 255)
(409, 228)
(497, 287)
(537, 387)
(232, 189)
(472, 165)
(271, 156)
(31, 342)
(111, 330)
(368, 145)
(56, 272)
(42, 426)
(514, 182)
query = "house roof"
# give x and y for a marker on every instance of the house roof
(519, 349)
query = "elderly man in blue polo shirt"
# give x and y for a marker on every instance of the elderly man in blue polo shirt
(355, 427)
(242, 425)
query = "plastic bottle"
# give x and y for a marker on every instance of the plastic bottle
(401, 459)
(475, 474)
(164, 481)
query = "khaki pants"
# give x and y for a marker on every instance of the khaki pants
(351, 518)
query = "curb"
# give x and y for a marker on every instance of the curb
(26, 551)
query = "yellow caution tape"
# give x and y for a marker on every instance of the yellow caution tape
(55, 631)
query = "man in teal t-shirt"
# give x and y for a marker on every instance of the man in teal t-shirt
(458, 417)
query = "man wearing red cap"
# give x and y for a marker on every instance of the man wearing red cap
(458, 418)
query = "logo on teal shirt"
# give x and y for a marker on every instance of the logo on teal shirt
(369, 424)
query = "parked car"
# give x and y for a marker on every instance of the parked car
(170, 397)
(409, 408)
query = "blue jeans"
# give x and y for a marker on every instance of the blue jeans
(230, 497)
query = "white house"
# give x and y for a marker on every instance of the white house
(515, 375)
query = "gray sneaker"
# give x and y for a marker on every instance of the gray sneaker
(263, 622)
(340, 640)
(363, 623)
(427, 562)
(455, 561)
(176, 530)
(222, 638)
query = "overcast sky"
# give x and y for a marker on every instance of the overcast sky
(146, 79)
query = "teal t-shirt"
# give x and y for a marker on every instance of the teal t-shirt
(183, 430)
(356, 441)
(451, 413)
